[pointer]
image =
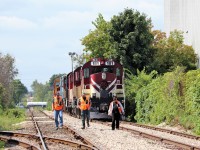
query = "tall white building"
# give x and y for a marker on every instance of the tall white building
(184, 15)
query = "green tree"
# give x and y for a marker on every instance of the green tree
(158, 37)
(19, 90)
(39, 90)
(2, 96)
(99, 43)
(7, 75)
(172, 52)
(131, 31)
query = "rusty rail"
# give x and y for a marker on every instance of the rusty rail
(55, 140)
(77, 135)
(165, 130)
(20, 143)
(44, 147)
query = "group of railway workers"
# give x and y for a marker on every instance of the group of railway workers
(58, 106)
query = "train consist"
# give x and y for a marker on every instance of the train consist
(99, 79)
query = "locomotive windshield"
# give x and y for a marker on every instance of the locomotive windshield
(100, 69)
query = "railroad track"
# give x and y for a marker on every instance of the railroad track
(93, 133)
(155, 137)
(42, 138)
(76, 134)
(190, 136)
(11, 141)
(7, 137)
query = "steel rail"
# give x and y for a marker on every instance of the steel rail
(55, 140)
(164, 130)
(71, 143)
(20, 143)
(44, 147)
(163, 140)
(77, 135)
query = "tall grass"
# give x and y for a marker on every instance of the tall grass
(10, 117)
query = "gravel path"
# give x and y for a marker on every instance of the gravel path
(107, 139)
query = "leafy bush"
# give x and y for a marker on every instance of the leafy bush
(160, 100)
(133, 85)
(173, 98)
(190, 118)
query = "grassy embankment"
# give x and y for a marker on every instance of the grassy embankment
(9, 118)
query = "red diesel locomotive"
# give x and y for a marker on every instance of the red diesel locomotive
(99, 79)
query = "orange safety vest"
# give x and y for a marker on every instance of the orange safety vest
(88, 105)
(84, 104)
(58, 103)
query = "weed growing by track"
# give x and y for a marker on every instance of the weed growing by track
(10, 117)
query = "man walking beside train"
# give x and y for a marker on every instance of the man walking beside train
(58, 107)
(84, 105)
(115, 110)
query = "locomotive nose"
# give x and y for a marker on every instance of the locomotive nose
(104, 85)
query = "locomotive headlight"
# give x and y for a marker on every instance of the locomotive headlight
(103, 76)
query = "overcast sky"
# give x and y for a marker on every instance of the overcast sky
(41, 33)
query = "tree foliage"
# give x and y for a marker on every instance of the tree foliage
(159, 36)
(2, 95)
(7, 75)
(44, 92)
(19, 90)
(172, 52)
(8, 70)
(98, 42)
(133, 84)
(190, 116)
(131, 31)
(40, 90)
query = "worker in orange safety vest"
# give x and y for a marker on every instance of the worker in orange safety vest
(84, 105)
(58, 107)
